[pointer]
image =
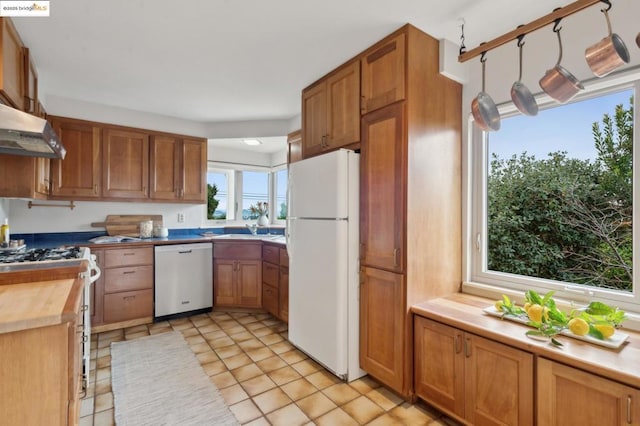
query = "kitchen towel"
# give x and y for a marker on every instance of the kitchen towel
(157, 380)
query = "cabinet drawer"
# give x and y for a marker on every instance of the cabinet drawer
(237, 251)
(128, 305)
(270, 299)
(128, 278)
(270, 273)
(284, 257)
(270, 254)
(126, 257)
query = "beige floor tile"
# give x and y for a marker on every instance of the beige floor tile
(251, 344)
(257, 385)
(221, 342)
(290, 415)
(103, 351)
(362, 409)
(161, 324)
(237, 361)
(246, 319)
(200, 348)
(271, 400)
(306, 367)
(260, 421)
(386, 420)
(341, 393)
(105, 343)
(272, 363)
(334, 418)
(104, 418)
(315, 405)
(229, 351)
(103, 374)
(136, 329)
(261, 332)
(103, 386)
(227, 324)
(293, 356)
(322, 379)
(298, 389)
(254, 326)
(213, 368)
(137, 335)
(284, 375)
(271, 339)
(214, 335)
(103, 402)
(364, 384)
(110, 334)
(245, 411)
(208, 328)
(414, 414)
(247, 372)
(207, 356)
(233, 394)
(281, 347)
(201, 320)
(260, 354)
(86, 407)
(86, 421)
(242, 336)
(236, 330)
(438, 422)
(160, 330)
(103, 362)
(179, 321)
(223, 380)
(219, 316)
(383, 397)
(271, 321)
(190, 332)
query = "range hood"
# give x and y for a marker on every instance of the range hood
(26, 134)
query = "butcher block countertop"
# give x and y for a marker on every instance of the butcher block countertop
(464, 311)
(39, 304)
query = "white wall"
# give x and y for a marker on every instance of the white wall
(4, 210)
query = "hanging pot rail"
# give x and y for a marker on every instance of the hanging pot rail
(545, 20)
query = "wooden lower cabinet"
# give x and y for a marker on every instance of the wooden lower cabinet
(275, 281)
(283, 287)
(237, 274)
(477, 380)
(568, 396)
(382, 326)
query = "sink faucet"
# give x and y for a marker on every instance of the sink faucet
(253, 228)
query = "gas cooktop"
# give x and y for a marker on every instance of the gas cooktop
(39, 254)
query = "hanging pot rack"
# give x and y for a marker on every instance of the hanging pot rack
(522, 30)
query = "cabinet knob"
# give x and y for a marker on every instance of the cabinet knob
(467, 347)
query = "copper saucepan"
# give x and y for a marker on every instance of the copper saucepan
(557, 82)
(483, 109)
(520, 94)
(607, 54)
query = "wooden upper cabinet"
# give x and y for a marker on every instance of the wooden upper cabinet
(30, 98)
(125, 164)
(568, 396)
(24, 177)
(330, 111)
(383, 74)
(78, 175)
(11, 66)
(294, 146)
(178, 169)
(382, 189)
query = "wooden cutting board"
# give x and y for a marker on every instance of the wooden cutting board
(127, 224)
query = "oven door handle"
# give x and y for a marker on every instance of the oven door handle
(95, 272)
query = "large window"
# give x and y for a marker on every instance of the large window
(280, 205)
(255, 190)
(553, 200)
(218, 195)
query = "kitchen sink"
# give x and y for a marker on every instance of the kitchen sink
(246, 237)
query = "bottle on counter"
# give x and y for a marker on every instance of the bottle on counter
(5, 236)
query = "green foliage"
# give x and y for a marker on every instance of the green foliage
(566, 219)
(283, 211)
(212, 203)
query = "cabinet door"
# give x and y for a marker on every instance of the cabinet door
(249, 283)
(283, 294)
(224, 286)
(125, 164)
(270, 299)
(343, 107)
(78, 175)
(20, 177)
(128, 305)
(193, 169)
(498, 383)
(383, 189)
(30, 98)
(11, 66)
(568, 396)
(314, 120)
(294, 145)
(42, 179)
(164, 165)
(383, 72)
(382, 327)
(439, 364)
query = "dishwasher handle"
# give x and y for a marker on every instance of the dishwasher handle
(185, 251)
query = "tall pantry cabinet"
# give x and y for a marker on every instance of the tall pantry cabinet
(410, 196)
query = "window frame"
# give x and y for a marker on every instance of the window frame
(273, 202)
(478, 280)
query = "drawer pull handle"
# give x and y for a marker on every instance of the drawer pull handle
(467, 347)
(128, 272)
(128, 298)
(458, 343)
(629, 420)
(128, 254)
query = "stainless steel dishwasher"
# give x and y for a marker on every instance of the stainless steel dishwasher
(183, 278)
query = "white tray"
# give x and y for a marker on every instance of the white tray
(614, 342)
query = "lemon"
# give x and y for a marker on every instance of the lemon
(607, 330)
(526, 306)
(535, 313)
(498, 305)
(578, 326)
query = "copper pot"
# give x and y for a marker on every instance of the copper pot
(484, 110)
(607, 54)
(559, 83)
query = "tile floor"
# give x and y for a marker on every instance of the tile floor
(262, 377)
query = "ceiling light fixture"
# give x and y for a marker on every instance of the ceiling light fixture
(252, 142)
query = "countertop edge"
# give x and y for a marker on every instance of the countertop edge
(464, 311)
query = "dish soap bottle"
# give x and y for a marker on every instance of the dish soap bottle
(4, 232)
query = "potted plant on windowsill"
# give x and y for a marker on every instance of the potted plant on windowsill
(261, 209)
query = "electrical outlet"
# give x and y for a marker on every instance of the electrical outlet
(180, 217)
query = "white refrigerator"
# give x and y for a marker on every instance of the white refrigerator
(323, 245)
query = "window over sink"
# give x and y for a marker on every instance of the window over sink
(552, 198)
